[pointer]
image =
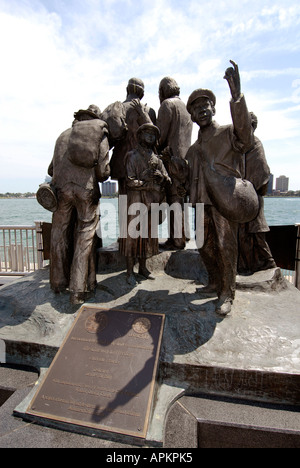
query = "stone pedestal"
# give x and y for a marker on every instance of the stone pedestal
(253, 353)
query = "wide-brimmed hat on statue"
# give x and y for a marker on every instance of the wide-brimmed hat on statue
(200, 93)
(92, 110)
(148, 126)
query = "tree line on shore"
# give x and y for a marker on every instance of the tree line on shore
(290, 193)
(18, 195)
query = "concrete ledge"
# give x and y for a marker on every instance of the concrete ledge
(210, 422)
(13, 377)
(181, 429)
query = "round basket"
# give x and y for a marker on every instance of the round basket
(46, 197)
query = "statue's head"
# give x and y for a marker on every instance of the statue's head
(92, 112)
(136, 87)
(201, 105)
(168, 88)
(148, 134)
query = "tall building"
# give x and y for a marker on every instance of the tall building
(109, 188)
(282, 183)
(270, 186)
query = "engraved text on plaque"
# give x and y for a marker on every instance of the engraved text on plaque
(103, 376)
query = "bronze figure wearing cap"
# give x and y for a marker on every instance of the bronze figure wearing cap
(135, 114)
(216, 179)
(200, 93)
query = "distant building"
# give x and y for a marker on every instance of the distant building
(282, 184)
(109, 188)
(270, 186)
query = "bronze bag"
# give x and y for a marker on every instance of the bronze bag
(46, 197)
(84, 142)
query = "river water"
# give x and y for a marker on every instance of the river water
(24, 212)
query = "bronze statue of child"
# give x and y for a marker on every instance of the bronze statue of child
(146, 178)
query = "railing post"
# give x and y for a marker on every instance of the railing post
(39, 244)
(297, 269)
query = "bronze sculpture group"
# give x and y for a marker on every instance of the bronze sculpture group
(154, 161)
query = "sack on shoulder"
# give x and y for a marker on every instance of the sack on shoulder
(84, 142)
(115, 117)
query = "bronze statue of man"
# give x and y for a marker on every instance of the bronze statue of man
(146, 178)
(254, 251)
(176, 127)
(215, 160)
(80, 162)
(136, 114)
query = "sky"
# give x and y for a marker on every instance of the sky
(59, 56)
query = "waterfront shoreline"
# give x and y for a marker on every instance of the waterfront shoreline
(25, 211)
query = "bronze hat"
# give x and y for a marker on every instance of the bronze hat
(137, 83)
(92, 110)
(149, 126)
(198, 93)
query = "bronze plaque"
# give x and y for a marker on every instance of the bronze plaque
(103, 375)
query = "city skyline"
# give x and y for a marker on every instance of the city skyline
(108, 188)
(282, 183)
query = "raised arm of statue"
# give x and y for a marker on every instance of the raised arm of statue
(140, 109)
(240, 116)
(232, 76)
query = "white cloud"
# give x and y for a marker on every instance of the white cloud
(43, 82)
(58, 58)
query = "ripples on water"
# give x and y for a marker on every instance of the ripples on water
(282, 211)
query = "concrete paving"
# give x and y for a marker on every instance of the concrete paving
(17, 433)
(4, 280)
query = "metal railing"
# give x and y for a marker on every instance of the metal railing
(24, 249)
(21, 249)
(289, 275)
(293, 276)
(297, 268)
